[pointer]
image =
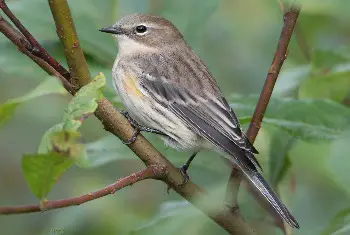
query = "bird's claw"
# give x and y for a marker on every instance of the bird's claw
(186, 177)
(138, 128)
(133, 137)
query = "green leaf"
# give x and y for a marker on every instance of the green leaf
(338, 161)
(45, 145)
(329, 77)
(66, 142)
(279, 161)
(47, 87)
(63, 137)
(306, 119)
(340, 224)
(6, 111)
(289, 80)
(83, 103)
(65, 133)
(326, 61)
(59, 146)
(41, 171)
(333, 86)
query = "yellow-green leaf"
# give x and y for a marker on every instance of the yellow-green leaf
(83, 103)
(41, 171)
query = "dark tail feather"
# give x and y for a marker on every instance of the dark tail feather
(256, 180)
(244, 159)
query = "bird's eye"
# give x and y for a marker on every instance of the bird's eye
(141, 29)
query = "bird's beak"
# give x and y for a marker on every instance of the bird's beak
(112, 30)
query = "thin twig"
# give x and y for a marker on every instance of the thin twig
(151, 172)
(37, 49)
(22, 45)
(290, 18)
(299, 36)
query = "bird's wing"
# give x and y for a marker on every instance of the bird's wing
(210, 118)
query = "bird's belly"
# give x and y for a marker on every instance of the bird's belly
(147, 112)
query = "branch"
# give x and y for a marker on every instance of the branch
(115, 123)
(151, 172)
(25, 47)
(36, 49)
(299, 36)
(290, 18)
(67, 34)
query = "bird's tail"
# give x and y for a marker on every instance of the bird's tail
(255, 179)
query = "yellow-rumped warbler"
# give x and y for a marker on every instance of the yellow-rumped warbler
(167, 89)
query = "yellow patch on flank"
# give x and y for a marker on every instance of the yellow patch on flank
(130, 85)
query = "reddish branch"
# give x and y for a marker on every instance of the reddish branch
(151, 172)
(26, 48)
(299, 36)
(36, 48)
(290, 18)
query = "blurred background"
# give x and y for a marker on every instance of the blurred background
(305, 153)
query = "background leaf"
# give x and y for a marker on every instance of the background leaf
(104, 151)
(340, 224)
(329, 77)
(334, 86)
(48, 87)
(43, 170)
(290, 79)
(306, 119)
(279, 162)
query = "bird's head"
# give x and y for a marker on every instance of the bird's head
(142, 31)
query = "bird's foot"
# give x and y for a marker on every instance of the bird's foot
(183, 170)
(138, 128)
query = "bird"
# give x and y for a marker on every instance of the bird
(168, 90)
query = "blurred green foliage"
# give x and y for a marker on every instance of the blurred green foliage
(303, 143)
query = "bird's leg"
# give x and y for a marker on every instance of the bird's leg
(183, 169)
(138, 128)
